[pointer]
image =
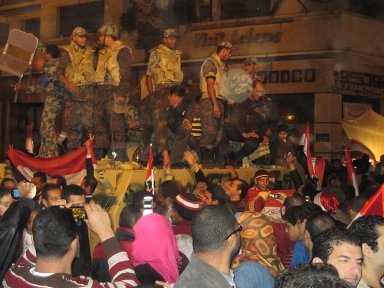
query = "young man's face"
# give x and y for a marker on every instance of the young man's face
(378, 256)
(80, 40)
(38, 183)
(170, 42)
(262, 183)
(53, 196)
(283, 135)
(293, 231)
(347, 259)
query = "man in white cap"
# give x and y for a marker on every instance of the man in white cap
(212, 78)
(113, 75)
(76, 71)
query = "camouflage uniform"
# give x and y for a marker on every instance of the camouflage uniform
(211, 127)
(52, 107)
(164, 66)
(77, 65)
(156, 119)
(112, 76)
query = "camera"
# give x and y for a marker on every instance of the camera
(15, 193)
(79, 213)
(148, 205)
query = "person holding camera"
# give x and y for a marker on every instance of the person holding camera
(56, 242)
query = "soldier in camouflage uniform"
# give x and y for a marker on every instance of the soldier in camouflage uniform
(164, 65)
(76, 71)
(112, 77)
(53, 101)
(212, 80)
(156, 117)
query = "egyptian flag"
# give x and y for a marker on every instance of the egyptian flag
(150, 179)
(351, 170)
(70, 165)
(316, 165)
(374, 206)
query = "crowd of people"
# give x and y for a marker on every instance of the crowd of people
(300, 233)
(228, 234)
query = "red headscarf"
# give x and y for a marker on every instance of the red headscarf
(155, 244)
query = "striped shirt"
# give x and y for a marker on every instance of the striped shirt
(196, 127)
(120, 269)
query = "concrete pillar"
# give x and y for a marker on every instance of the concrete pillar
(327, 134)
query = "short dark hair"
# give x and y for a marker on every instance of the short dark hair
(7, 180)
(41, 176)
(295, 199)
(60, 180)
(72, 189)
(53, 230)
(179, 90)
(301, 213)
(170, 188)
(210, 226)
(53, 50)
(364, 229)
(47, 188)
(243, 186)
(129, 216)
(318, 223)
(324, 243)
(4, 191)
(287, 277)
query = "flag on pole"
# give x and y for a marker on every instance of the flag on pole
(150, 179)
(316, 165)
(70, 165)
(374, 206)
(351, 170)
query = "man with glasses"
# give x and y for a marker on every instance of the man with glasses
(216, 241)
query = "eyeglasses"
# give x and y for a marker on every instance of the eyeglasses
(234, 232)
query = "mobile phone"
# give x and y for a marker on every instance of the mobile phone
(79, 213)
(15, 193)
(148, 205)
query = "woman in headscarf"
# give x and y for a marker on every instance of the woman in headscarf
(155, 255)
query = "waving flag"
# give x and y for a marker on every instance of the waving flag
(316, 165)
(351, 170)
(70, 165)
(374, 206)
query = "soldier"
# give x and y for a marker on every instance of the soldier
(164, 65)
(113, 77)
(53, 101)
(76, 71)
(212, 79)
(155, 116)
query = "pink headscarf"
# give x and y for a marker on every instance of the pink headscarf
(155, 244)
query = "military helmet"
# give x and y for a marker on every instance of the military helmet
(109, 30)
